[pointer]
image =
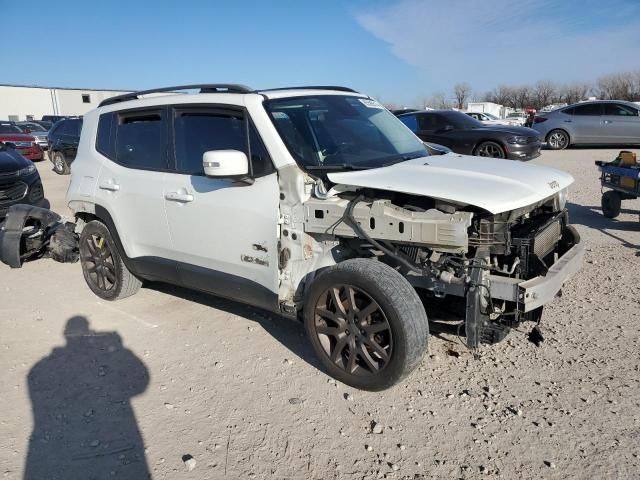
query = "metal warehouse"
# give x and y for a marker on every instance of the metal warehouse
(31, 102)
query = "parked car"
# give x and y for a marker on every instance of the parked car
(487, 118)
(316, 203)
(37, 131)
(600, 122)
(24, 144)
(43, 123)
(63, 144)
(516, 118)
(53, 118)
(468, 136)
(19, 180)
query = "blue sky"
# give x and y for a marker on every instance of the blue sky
(398, 51)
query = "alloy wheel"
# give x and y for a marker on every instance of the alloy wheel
(557, 140)
(58, 163)
(99, 262)
(353, 330)
(490, 150)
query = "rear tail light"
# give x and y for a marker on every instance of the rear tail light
(540, 119)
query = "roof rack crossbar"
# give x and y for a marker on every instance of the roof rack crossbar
(312, 87)
(204, 88)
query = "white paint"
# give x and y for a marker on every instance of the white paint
(492, 184)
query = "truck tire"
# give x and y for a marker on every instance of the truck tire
(611, 202)
(104, 271)
(366, 324)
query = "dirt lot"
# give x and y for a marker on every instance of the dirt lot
(168, 377)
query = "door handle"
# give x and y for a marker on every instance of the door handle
(607, 121)
(568, 121)
(179, 197)
(110, 185)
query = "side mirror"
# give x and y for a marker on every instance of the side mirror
(232, 164)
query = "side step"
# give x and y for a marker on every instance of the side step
(30, 232)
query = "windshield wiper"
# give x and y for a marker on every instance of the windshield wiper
(404, 158)
(338, 166)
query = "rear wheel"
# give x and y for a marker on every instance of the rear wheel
(490, 149)
(558, 139)
(366, 323)
(60, 165)
(611, 202)
(104, 271)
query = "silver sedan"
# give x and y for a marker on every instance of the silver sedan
(600, 122)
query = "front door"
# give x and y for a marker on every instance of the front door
(621, 124)
(224, 232)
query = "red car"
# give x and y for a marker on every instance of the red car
(25, 144)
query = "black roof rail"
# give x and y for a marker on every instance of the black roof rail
(204, 88)
(312, 87)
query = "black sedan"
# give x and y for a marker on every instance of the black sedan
(466, 135)
(19, 180)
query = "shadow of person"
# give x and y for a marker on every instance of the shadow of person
(83, 422)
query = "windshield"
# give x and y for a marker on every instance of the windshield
(339, 131)
(491, 117)
(9, 128)
(460, 120)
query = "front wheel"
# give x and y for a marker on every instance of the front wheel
(490, 149)
(558, 140)
(60, 165)
(366, 323)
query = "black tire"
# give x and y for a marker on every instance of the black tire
(60, 165)
(611, 202)
(490, 149)
(558, 139)
(389, 341)
(104, 271)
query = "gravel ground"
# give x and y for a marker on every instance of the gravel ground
(186, 386)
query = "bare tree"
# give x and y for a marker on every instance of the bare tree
(461, 92)
(618, 86)
(499, 95)
(544, 94)
(573, 92)
(438, 100)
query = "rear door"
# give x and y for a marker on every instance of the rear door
(585, 123)
(621, 124)
(130, 185)
(224, 232)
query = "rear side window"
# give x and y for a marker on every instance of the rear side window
(140, 140)
(199, 131)
(410, 121)
(106, 136)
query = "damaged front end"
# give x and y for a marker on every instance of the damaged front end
(506, 266)
(30, 232)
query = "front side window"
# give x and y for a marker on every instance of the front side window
(341, 131)
(73, 127)
(619, 110)
(200, 131)
(140, 140)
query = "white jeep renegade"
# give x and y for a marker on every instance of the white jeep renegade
(315, 203)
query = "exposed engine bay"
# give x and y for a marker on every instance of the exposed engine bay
(447, 249)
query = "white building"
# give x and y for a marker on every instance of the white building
(24, 102)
